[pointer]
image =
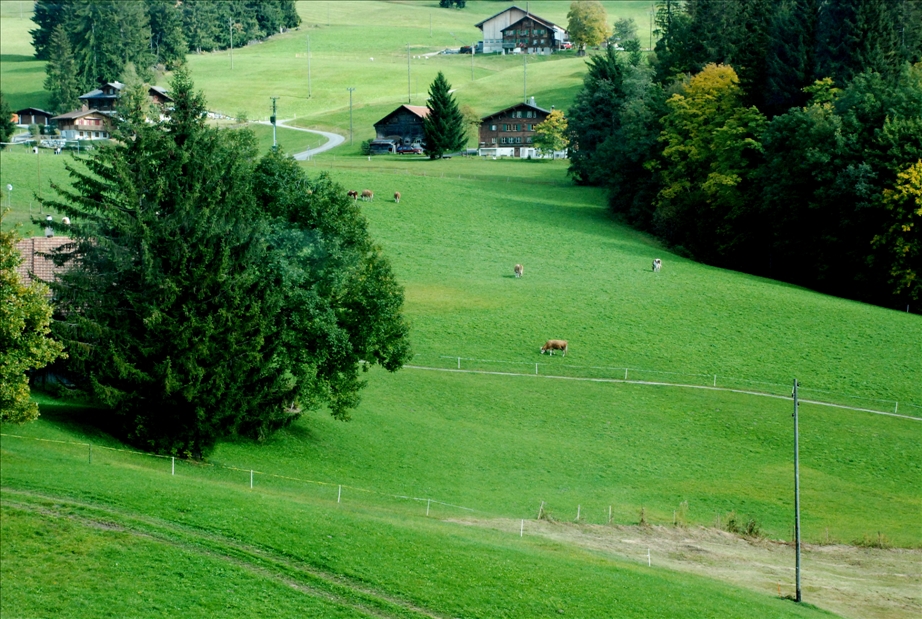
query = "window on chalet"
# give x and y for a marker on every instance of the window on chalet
(492, 127)
(528, 139)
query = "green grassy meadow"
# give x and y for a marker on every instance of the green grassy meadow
(104, 532)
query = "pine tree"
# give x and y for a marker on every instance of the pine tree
(444, 125)
(47, 15)
(61, 81)
(200, 24)
(7, 126)
(208, 294)
(105, 37)
(167, 37)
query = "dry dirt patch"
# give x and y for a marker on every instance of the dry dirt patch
(858, 583)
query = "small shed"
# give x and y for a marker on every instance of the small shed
(34, 116)
(404, 125)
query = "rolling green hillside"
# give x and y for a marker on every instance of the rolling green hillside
(106, 532)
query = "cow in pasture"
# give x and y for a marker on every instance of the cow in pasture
(368, 194)
(519, 270)
(397, 197)
(353, 194)
(551, 345)
(657, 265)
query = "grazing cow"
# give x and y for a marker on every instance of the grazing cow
(397, 197)
(551, 345)
(368, 194)
(519, 270)
(657, 264)
(353, 194)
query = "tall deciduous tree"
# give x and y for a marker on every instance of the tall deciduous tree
(901, 242)
(443, 127)
(208, 294)
(711, 148)
(61, 70)
(587, 23)
(551, 135)
(24, 334)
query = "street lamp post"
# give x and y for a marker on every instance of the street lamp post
(272, 120)
(351, 141)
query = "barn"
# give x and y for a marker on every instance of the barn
(404, 125)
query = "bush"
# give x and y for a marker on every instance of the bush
(366, 147)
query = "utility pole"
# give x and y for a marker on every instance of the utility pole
(525, 77)
(409, 95)
(430, 21)
(351, 141)
(473, 51)
(796, 495)
(309, 91)
(230, 27)
(272, 120)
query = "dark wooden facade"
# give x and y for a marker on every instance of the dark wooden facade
(34, 116)
(105, 97)
(513, 127)
(404, 125)
(532, 35)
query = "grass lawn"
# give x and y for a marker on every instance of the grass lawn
(135, 540)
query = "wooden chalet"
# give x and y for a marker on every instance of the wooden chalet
(33, 116)
(516, 28)
(509, 132)
(404, 125)
(83, 125)
(105, 97)
(533, 35)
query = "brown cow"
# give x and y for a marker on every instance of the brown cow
(353, 194)
(397, 197)
(519, 270)
(551, 345)
(368, 194)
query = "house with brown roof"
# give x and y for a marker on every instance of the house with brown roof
(510, 132)
(34, 262)
(503, 32)
(83, 124)
(105, 98)
(403, 126)
(33, 116)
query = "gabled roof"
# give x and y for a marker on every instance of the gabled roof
(78, 114)
(33, 110)
(498, 14)
(517, 106)
(33, 262)
(161, 91)
(99, 94)
(533, 17)
(418, 110)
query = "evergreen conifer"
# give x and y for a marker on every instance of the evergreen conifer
(444, 125)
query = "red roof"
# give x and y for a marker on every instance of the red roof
(35, 263)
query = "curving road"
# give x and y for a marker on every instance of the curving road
(333, 139)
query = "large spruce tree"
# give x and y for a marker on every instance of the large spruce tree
(207, 294)
(444, 125)
(61, 80)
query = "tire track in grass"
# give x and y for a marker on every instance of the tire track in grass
(258, 560)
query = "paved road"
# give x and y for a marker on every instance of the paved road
(333, 140)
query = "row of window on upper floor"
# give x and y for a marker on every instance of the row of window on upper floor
(512, 140)
(525, 32)
(513, 127)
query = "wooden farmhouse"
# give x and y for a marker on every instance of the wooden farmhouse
(402, 126)
(105, 97)
(509, 132)
(33, 116)
(518, 29)
(83, 125)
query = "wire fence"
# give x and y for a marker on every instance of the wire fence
(635, 375)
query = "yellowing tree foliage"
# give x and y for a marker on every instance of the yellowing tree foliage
(587, 23)
(551, 135)
(24, 342)
(902, 242)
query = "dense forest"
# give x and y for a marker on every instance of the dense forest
(778, 137)
(92, 41)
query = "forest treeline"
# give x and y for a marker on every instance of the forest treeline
(778, 137)
(103, 36)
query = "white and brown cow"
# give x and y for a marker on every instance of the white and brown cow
(353, 194)
(657, 265)
(397, 197)
(551, 345)
(519, 270)
(368, 194)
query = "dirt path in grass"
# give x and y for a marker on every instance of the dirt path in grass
(858, 583)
